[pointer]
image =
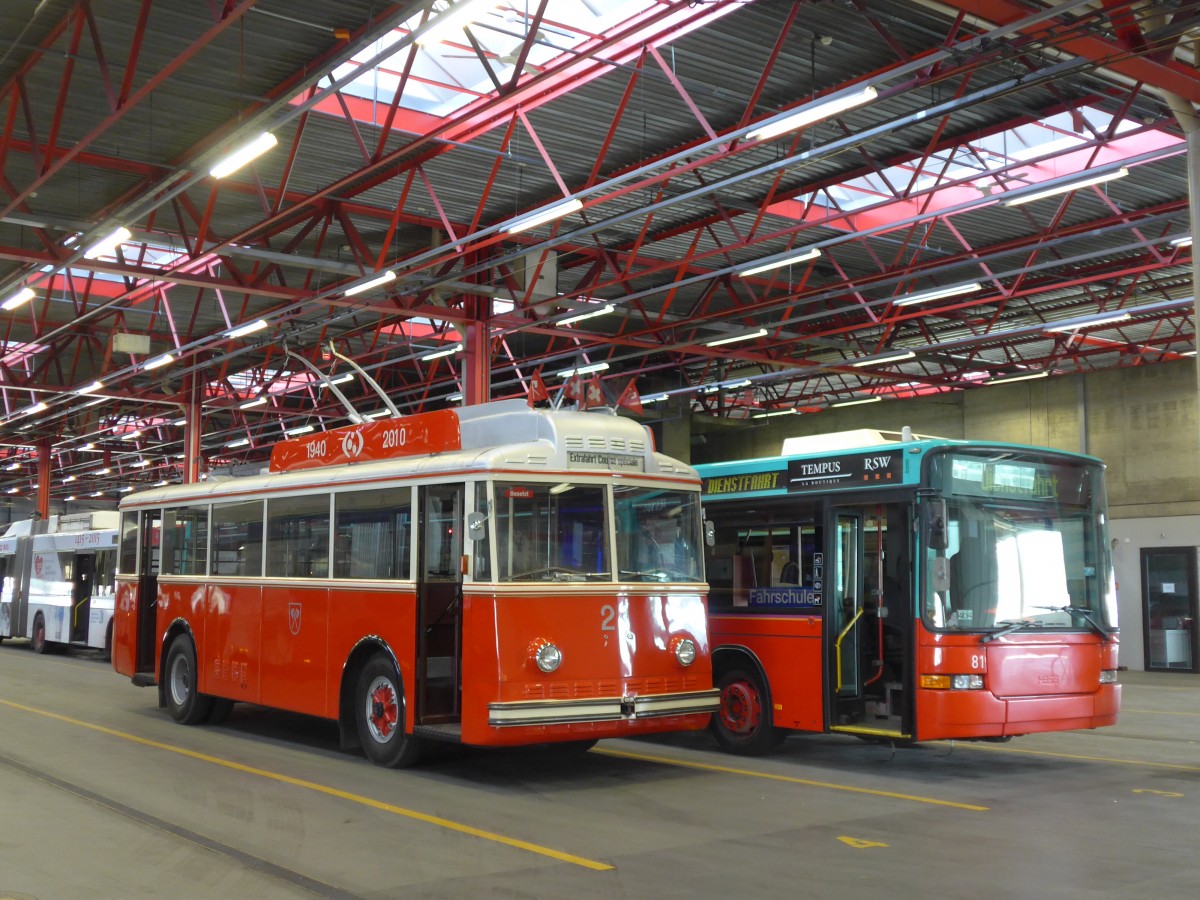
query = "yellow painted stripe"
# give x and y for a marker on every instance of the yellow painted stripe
(874, 732)
(329, 791)
(728, 770)
(1104, 759)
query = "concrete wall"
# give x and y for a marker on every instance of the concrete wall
(1142, 421)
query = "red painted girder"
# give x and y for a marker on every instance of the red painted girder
(1167, 75)
(232, 14)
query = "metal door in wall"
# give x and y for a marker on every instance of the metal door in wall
(1169, 609)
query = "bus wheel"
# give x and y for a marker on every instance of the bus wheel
(108, 641)
(379, 716)
(38, 639)
(185, 704)
(743, 723)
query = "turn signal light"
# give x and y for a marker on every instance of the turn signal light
(952, 682)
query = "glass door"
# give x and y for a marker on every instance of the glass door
(1169, 608)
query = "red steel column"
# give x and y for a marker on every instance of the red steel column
(43, 479)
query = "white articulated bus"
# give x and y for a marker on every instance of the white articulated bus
(57, 581)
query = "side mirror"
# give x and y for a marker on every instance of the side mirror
(710, 533)
(935, 525)
(476, 526)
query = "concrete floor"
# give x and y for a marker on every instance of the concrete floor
(102, 795)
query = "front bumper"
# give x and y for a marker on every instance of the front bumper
(602, 709)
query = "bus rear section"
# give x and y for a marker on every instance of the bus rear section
(456, 584)
(905, 591)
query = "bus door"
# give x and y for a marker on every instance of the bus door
(869, 628)
(439, 604)
(81, 596)
(149, 548)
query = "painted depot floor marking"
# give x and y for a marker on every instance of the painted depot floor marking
(329, 791)
(1149, 764)
(728, 770)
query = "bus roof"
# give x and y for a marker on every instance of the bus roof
(499, 435)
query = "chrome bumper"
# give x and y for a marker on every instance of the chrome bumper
(602, 709)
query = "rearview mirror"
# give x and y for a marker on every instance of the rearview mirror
(476, 526)
(935, 525)
(710, 533)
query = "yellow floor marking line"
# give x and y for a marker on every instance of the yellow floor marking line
(1103, 759)
(728, 770)
(329, 791)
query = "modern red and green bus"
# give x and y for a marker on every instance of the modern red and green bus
(492, 575)
(905, 590)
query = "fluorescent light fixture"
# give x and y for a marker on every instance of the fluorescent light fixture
(20, 298)
(12, 467)
(132, 436)
(1092, 323)
(883, 360)
(1068, 186)
(579, 317)
(108, 244)
(776, 412)
(377, 414)
(180, 422)
(659, 399)
(803, 256)
(88, 446)
(814, 113)
(13, 490)
(90, 388)
(857, 402)
(104, 471)
(240, 442)
(125, 490)
(342, 379)
(454, 18)
(96, 494)
(1185, 241)
(163, 483)
(449, 351)
(383, 278)
(243, 155)
(733, 386)
(36, 408)
(546, 214)
(939, 293)
(248, 328)
(583, 370)
(454, 398)
(300, 429)
(68, 479)
(762, 332)
(1018, 378)
(141, 464)
(250, 404)
(165, 360)
(69, 499)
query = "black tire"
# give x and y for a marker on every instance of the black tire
(221, 708)
(743, 723)
(185, 704)
(379, 716)
(108, 636)
(37, 639)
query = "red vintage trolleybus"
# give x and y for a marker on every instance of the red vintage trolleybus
(907, 590)
(488, 575)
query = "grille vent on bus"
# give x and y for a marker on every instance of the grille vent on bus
(615, 445)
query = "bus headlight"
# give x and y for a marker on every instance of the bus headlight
(1108, 676)
(952, 682)
(685, 650)
(545, 655)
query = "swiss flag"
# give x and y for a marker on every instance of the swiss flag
(593, 394)
(537, 388)
(571, 388)
(630, 398)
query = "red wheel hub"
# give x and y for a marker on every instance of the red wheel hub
(741, 707)
(384, 711)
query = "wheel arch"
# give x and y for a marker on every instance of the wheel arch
(363, 650)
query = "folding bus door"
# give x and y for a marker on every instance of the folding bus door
(869, 595)
(439, 599)
(81, 596)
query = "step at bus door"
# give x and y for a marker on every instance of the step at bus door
(81, 596)
(439, 604)
(870, 595)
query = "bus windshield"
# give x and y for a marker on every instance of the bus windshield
(1024, 544)
(552, 532)
(658, 535)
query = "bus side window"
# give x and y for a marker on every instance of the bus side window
(373, 534)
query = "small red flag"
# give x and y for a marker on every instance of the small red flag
(593, 394)
(571, 388)
(537, 389)
(630, 398)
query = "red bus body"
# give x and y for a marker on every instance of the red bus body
(909, 591)
(461, 647)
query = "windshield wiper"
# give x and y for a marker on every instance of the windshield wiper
(1083, 612)
(1009, 628)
